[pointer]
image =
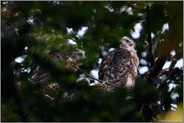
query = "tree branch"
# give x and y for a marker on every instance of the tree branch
(150, 49)
(164, 81)
(101, 82)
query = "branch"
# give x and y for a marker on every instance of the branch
(48, 97)
(150, 49)
(164, 81)
(28, 113)
(102, 82)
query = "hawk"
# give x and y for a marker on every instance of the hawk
(40, 76)
(119, 67)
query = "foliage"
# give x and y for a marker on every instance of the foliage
(32, 29)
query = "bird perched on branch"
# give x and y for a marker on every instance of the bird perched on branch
(119, 67)
(41, 77)
(57, 58)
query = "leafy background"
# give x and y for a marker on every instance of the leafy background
(29, 30)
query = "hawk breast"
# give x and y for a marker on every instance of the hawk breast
(116, 67)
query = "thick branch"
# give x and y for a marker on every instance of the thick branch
(157, 67)
(150, 49)
(164, 81)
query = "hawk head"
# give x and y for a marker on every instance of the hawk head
(78, 54)
(127, 43)
(75, 57)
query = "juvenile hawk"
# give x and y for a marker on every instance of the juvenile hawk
(40, 76)
(119, 67)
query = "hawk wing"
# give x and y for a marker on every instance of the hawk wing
(117, 67)
(38, 75)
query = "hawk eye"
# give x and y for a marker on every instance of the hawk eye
(80, 53)
(129, 42)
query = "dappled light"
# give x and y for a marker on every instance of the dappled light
(51, 52)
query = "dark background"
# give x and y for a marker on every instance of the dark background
(21, 100)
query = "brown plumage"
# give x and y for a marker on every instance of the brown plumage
(119, 67)
(40, 76)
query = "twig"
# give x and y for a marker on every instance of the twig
(48, 97)
(27, 113)
(87, 74)
(168, 74)
(102, 82)
(173, 107)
